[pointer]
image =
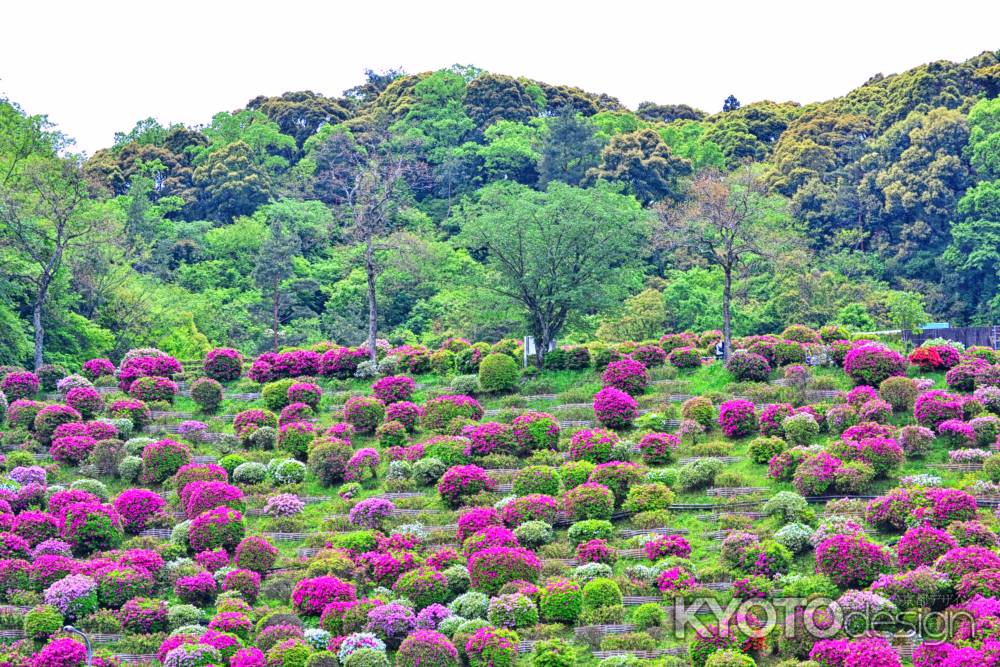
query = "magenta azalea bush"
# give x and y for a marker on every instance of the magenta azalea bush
(615, 408)
(627, 375)
(737, 418)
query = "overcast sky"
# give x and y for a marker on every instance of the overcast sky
(97, 67)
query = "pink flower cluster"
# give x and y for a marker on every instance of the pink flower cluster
(615, 408)
(393, 388)
(737, 418)
(272, 366)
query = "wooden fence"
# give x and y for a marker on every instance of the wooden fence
(968, 336)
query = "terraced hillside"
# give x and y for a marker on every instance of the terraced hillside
(641, 503)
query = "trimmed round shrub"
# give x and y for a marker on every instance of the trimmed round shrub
(328, 458)
(899, 392)
(364, 413)
(295, 437)
(618, 476)
(308, 393)
(152, 388)
(685, 357)
(590, 529)
(534, 534)
(872, 364)
(136, 507)
(748, 367)
(615, 408)
(428, 471)
(427, 647)
(536, 479)
(85, 400)
(119, 584)
(647, 497)
(462, 482)
(256, 554)
(207, 394)
(737, 418)
(491, 568)
(560, 601)
(601, 592)
(219, 528)
(20, 384)
(440, 411)
(311, 596)
(498, 373)
(659, 448)
(699, 409)
(763, 449)
(592, 445)
(275, 394)
(851, 561)
(535, 431)
(627, 375)
(490, 647)
(423, 586)
(223, 364)
(589, 501)
(52, 416)
(163, 458)
(42, 622)
(800, 429)
(512, 611)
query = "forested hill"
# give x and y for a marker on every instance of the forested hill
(466, 195)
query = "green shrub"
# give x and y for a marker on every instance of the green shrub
(250, 472)
(498, 373)
(899, 392)
(591, 529)
(800, 428)
(575, 473)
(649, 615)
(561, 601)
(763, 448)
(428, 471)
(364, 657)
(787, 505)
(275, 394)
(231, 462)
(42, 622)
(601, 592)
(207, 394)
(700, 409)
(130, 468)
(534, 534)
(648, 497)
(730, 658)
(699, 474)
(470, 605)
(536, 479)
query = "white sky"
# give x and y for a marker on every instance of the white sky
(97, 67)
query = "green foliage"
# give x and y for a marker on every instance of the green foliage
(498, 373)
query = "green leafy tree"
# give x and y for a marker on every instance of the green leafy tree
(274, 267)
(232, 182)
(643, 161)
(906, 310)
(557, 254)
(569, 150)
(46, 212)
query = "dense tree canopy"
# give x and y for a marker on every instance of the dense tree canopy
(893, 187)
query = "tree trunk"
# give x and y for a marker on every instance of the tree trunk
(274, 315)
(727, 332)
(372, 303)
(542, 342)
(36, 321)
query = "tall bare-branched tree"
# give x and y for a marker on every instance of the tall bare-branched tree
(366, 177)
(730, 221)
